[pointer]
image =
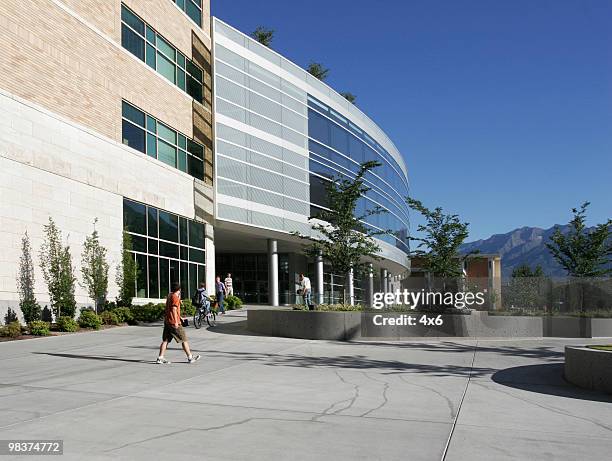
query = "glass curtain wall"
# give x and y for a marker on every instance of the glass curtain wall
(167, 248)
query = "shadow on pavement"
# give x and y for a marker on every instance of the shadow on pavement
(537, 352)
(358, 362)
(104, 358)
(546, 379)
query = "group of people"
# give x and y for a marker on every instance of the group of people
(173, 322)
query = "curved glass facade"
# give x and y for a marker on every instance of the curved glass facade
(280, 135)
(338, 147)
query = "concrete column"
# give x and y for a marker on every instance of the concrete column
(351, 287)
(210, 266)
(384, 281)
(320, 286)
(370, 295)
(273, 272)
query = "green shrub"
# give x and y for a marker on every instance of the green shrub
(39, 328)
(10, 317)
(232, 302)
(187, 309)
(89, 319)
(12, 330)
(109, 318)
(124, 314)
(65, 323)
(148, 312)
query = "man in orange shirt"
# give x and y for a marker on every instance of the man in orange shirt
(173, 328)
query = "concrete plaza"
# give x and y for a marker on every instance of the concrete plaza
(255, 397)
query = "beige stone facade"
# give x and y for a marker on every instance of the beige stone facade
(66, 55)
(63, 76)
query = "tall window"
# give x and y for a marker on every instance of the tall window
(193, 8)
(167, 248)
(147, 45)
(150, 136)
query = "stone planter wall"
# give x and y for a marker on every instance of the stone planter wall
(589, 368)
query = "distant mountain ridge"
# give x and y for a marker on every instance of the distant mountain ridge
(525, 245)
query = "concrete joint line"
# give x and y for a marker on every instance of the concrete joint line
(452, 431)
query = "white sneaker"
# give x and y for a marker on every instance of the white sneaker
(194, 358)
(162, 360)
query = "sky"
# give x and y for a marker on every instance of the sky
(501, 109)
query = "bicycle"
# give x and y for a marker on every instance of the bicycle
(204, 312)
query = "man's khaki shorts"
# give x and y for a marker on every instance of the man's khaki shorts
(172, 332)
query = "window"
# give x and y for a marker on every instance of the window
(162, 262)
(193, 8)
(162, 142)
(328, 129)
(147, 45)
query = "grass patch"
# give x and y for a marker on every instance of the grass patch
(607, 347)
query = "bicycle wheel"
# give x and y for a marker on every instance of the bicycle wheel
(197, 320)
(211, 319)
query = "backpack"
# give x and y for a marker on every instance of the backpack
(196, 299)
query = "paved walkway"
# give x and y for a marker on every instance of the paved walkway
(254, 397)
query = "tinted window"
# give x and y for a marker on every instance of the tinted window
(168, 226)
(132, 42)
(196, 234)
(318, 127)
(134, 217)
(133, 136)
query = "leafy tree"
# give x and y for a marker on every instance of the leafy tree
(443, 235)
(583, 253)
(263, 35)
(94, 268)
(340, 236)
(524, 270)
(127, 272)
(56, 265)
(317, 70)
(350, 97)
(25, 283)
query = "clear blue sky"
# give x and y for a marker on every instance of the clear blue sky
(502, 109)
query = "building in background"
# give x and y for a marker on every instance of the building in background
(116, 110)
(481, 273)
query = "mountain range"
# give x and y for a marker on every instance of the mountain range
(526, 245)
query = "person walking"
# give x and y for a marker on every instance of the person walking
(173, 328)
(306, 290)
(220, 291)
(229, 288)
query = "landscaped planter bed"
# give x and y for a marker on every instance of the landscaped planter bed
(355, 324)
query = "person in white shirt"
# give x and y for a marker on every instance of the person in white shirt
(229, 289)
(306, 290)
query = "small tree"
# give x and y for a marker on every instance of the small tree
(582, 252)
(56, 265)
(443, 235)
(350, 97)
(341, 238)
(317, 70)
(263, 35)
(126, 272)
(95, 268)
(25, 283)
(67, 284)
(10, 317)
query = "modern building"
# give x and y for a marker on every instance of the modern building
(206, 146)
